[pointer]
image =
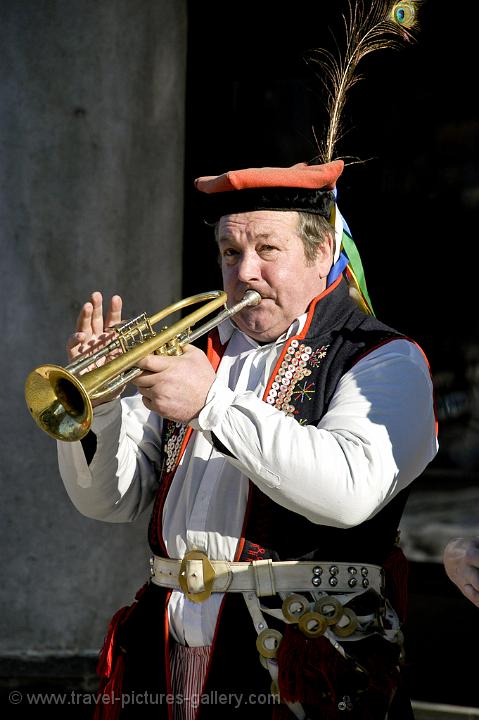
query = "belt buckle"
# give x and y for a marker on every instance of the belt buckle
(208, 576)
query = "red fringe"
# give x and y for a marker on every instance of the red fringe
(311, 671)
(111, 665)
(108, 705)
(396, 568)
(106, 660)
(308, 668)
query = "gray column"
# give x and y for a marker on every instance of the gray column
(91, 184)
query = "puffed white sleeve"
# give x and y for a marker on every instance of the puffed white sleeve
(121, 480)
(377, 436)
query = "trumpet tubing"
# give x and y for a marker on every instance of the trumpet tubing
(60, 398)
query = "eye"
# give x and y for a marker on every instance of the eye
(267, 249)
(229, 255)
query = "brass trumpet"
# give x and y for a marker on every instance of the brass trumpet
(59, 398)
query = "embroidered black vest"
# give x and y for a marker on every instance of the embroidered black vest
(336, 334)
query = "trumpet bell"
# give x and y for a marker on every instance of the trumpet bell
(58, 403)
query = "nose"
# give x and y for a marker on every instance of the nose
(249, 268)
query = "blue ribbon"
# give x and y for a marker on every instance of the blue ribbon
(337, 269)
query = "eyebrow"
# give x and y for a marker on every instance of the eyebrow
(263, 236)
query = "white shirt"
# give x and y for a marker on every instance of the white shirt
(377, 436)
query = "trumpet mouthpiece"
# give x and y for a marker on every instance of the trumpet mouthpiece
(252, 297)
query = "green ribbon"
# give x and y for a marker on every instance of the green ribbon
(356, 265)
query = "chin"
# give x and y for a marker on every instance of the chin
(259, 327)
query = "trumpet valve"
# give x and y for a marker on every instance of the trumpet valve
(134, 332)
(173, 347)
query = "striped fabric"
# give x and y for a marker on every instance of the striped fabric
(188, 671)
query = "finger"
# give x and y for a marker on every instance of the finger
(155, 363)
(76, 339)
(145, 381)
(147, 402)
(114, 311)
(75, 342)
(472, 554)
(472, 577)
(147, 395)
(84, 319)
(97, 315)
(472, 594)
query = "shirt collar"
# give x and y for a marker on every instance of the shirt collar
(228, 327)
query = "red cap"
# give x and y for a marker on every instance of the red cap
(302, 187)
(301, 175)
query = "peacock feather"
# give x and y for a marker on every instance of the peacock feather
(369, 25)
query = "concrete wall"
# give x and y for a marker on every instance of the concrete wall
(91, 184)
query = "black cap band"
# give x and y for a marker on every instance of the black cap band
(318, 202)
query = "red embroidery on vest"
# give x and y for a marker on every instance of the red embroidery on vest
(254, 552)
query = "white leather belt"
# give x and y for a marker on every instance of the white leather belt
(198, 577)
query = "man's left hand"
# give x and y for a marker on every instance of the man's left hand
(176, 387)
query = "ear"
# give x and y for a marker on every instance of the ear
(325, 256)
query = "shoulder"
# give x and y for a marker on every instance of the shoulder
(399, 362)
(398, 347)
(392, 386)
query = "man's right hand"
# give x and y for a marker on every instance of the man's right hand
(92, 330)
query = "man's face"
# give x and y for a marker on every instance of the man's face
(262, 251)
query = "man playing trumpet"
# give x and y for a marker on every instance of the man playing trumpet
(276, 467)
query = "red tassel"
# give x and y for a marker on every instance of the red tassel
(109, 696)
(312, 671)
(396, 569)
(106, 660)
(111, 665)
(308, 668)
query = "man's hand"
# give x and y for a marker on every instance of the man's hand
(461, 562)
(92, 330)
(176, 387)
